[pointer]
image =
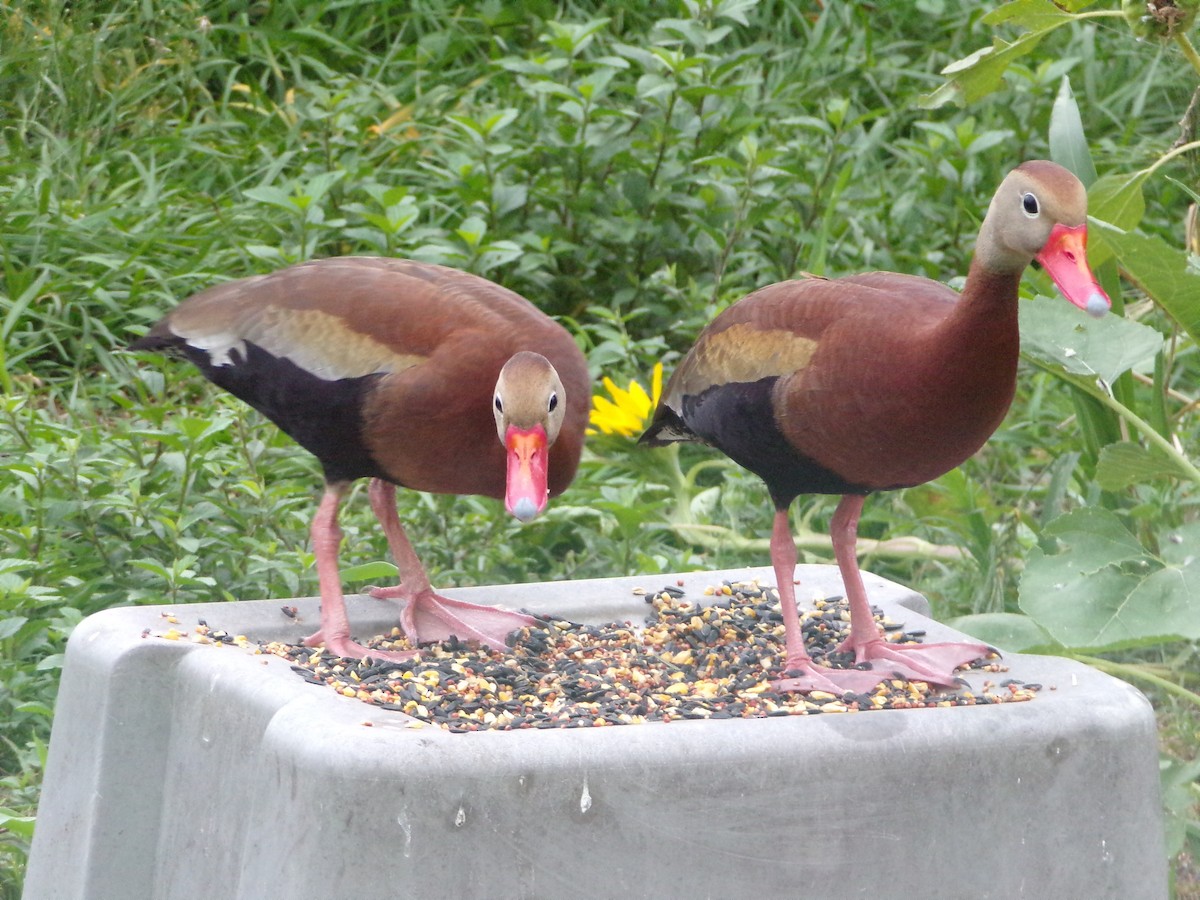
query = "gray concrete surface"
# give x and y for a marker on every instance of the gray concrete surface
(186, 771)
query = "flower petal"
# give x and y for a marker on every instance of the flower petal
(639, 400)
(618, 394)
(612, 419)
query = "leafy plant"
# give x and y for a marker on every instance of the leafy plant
(631, 169)
(1116, 576)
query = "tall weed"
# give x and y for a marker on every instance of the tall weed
(631, 168)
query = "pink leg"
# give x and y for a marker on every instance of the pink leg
(801, 673)
(429, 616)
(934, 663)
(334, 632)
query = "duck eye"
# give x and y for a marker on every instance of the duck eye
(499, 404)
(553, 404)
(1030, 204)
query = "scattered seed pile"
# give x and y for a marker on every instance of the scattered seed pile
(689, 661)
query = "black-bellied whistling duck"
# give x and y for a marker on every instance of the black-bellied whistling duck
(875, 382)
(407, 373)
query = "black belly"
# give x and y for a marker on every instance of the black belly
(324, 417)
(738, 420)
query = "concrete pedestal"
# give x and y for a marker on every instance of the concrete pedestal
(185, 771)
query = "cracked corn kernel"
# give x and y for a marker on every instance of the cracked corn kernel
(689, 661)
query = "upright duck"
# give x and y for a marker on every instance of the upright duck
(875, 382)
(406, 373)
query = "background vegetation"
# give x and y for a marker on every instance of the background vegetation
(632, 170)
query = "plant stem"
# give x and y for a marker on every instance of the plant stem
(716, 537)
(1152, 436)
(690, 478)
(6, 384)
(680, 486)
(1130, 670)
(1172, 153)
(1189, 50)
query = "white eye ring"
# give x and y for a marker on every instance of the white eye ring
(1029, 203)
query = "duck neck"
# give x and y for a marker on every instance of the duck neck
(989, 300)
(975, 347)
(964, 370)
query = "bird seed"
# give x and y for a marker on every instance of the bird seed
(688, 661)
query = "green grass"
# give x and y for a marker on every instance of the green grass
(632, 172)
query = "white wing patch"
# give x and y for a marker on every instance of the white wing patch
(316, 341)
(219, 346)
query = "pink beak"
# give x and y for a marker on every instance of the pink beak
(527, 490)
(1065, 258)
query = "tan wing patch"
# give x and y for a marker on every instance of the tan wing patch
(743, 353)
(316, 341)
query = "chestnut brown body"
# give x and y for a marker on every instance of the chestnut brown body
(408, 373)
(811, 385)
(873, 382)
(380, 367)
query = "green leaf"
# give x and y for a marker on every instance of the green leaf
(39, 709)
(153, 566)
(736, 10)
(571, 37)
(1177, 779)
(498, 253)
(272, 196)
(629, 519)
(1060, 336)
(1159, 269)
(1068, 143)
(1080, 610)
(1125, 463)
(975, 76)
(1117, 199)
(372, 571)
(53, 661)
(1096, 537)
(1005, 631)
(21, 826)
(10, 625)
(1035, 14)
(318, 186)
(499, 121)
(197, 429)
(1103, 591)
(472, 231)
(1179, 544)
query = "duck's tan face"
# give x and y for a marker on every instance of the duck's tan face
(529, 407)
(1040, 212)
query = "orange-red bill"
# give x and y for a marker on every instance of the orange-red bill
(527, 488)
(1065, 259)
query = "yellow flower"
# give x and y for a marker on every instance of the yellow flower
(628, 412)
